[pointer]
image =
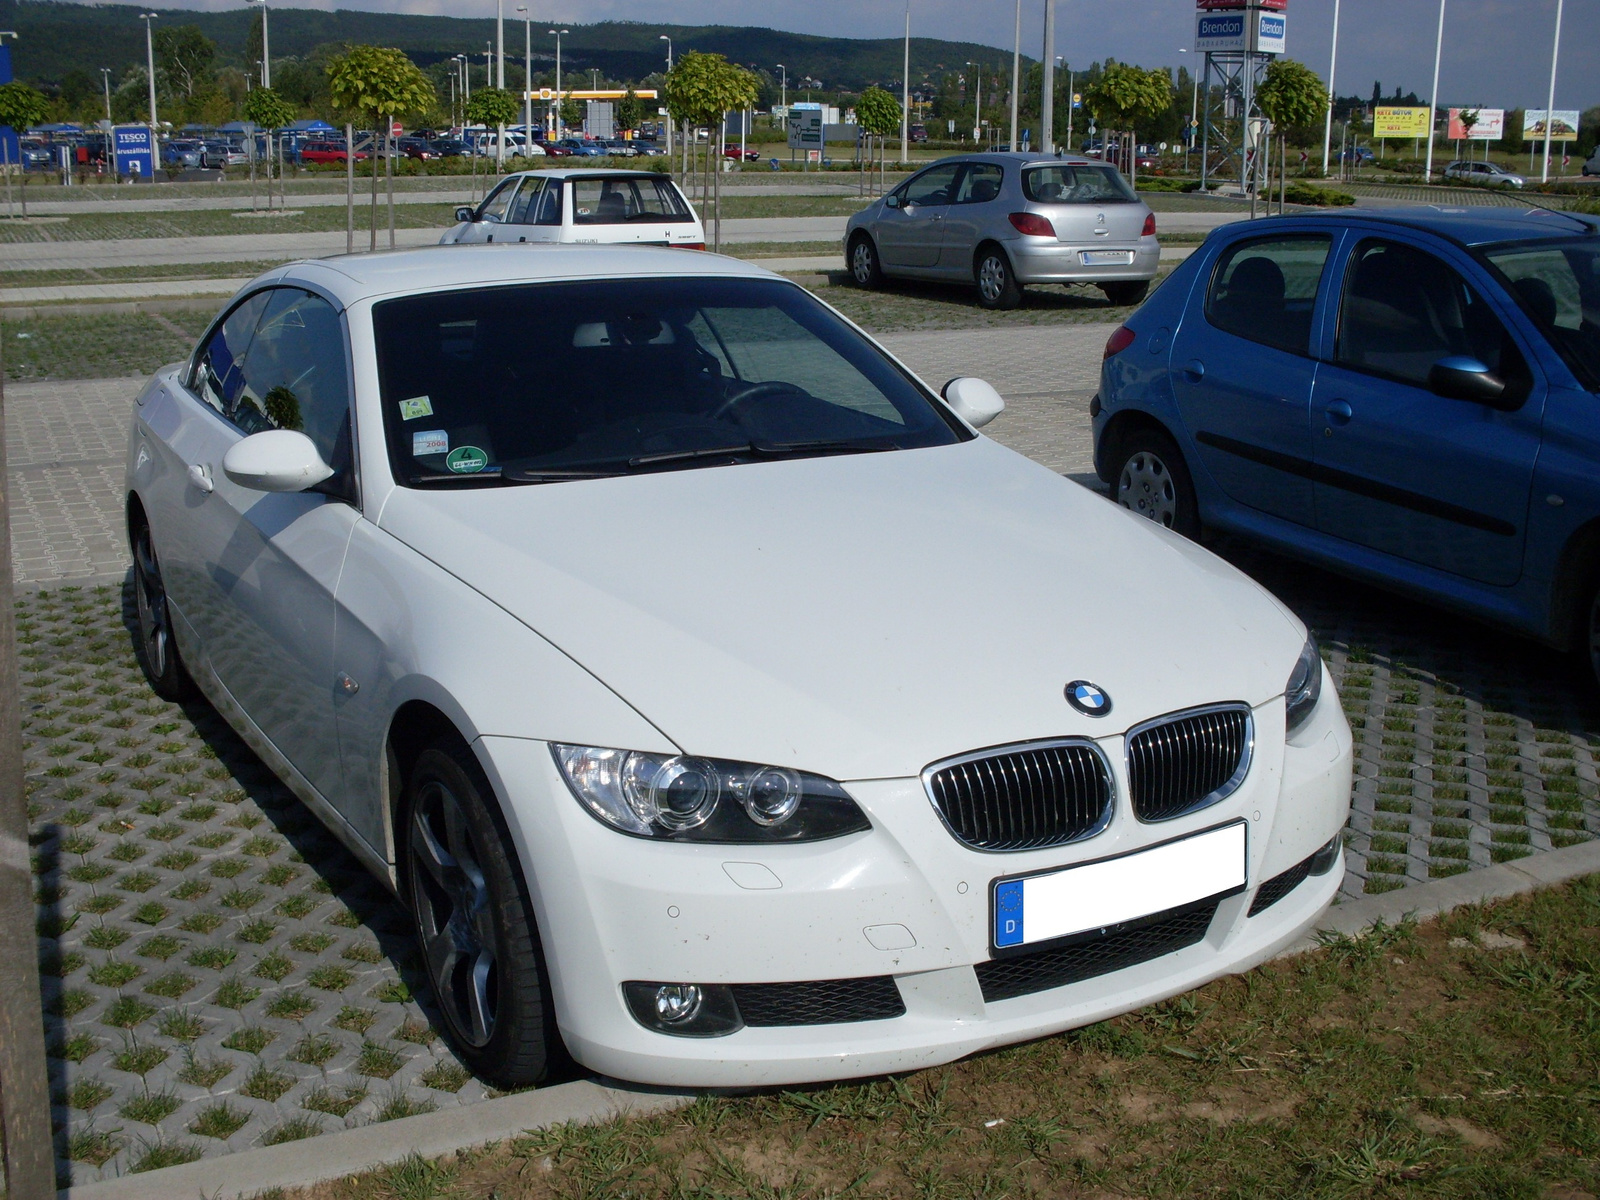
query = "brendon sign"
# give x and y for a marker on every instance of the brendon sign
(1240, 29)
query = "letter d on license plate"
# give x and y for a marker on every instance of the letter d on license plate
(1058, 904)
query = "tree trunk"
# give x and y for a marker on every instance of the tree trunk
(253, 207)
(5, 149)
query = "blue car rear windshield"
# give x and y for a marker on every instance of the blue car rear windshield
(1557, 283)
(541, 383)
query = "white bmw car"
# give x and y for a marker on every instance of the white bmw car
(720, 703)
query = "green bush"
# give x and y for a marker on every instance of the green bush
(1305, 193)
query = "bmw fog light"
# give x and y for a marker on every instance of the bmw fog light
(684, 1009)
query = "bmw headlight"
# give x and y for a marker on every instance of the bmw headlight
(679, 797)
(1304, 689)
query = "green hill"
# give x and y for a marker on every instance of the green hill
(57, 38)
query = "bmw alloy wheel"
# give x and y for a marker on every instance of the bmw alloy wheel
(155, 634)
(1147, 488)
(454, 914)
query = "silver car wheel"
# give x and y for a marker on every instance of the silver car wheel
(1146, 488)
(861, 263)
(454, 914)
(992, 278)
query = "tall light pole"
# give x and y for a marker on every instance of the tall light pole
(663, 37)
(1071, 103)
(905, 94)
(1047, 101)
(1016, 73)
(266, 54)
(1550, 105)
(105, 75)
(977, 101)
(1333, 62)
(150, 68)
(1433, 102)
(556, 33)
(527, 74)
(499, 43)
(783, 86)
(1194, 110)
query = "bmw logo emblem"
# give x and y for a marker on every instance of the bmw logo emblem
(1087, 698)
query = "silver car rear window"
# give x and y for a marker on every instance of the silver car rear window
(1072, 184)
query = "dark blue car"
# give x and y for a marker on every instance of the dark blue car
(1411, 396)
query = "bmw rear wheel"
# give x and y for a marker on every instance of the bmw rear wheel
(158, 649)
(473, 922)
(997, 285)
(864, 266)
(1153, 481)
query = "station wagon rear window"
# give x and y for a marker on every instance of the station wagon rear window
(1069, 183)
(618, 201)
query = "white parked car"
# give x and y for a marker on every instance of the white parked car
(721, 704)
(582, 205)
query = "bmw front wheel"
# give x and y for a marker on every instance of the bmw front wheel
(158, 649)
(1153, 481)
(473, 921)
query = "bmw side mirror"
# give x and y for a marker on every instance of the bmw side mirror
(464, 214)
(1461, 378)
(891, 201)
(974, 401)
(275, 460)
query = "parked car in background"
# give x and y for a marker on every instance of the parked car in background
(554, 149)
(578, 204)
(1358, 155)
(582, 148)
(648, 148)
(224, 154)
(629, 614)
(447, 147)
(731, 150)
(1484, 174)
(917, 133)
(183, 152)
(415, 147)
(34, 153)
(330, 152)
(1406, 395)
(1004, 221)
(1591, 165)
(619, 147)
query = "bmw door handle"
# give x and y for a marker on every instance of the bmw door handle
(1338, 413)
(200, 477)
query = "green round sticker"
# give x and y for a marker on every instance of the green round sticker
(466, 460)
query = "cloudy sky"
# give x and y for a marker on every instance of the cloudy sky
(1496, 52)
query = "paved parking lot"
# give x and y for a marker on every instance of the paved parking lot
(222, 974)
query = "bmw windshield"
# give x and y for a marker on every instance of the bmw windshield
(542, 383)
(1558, 285)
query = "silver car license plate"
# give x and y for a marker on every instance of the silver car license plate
(1106, 258)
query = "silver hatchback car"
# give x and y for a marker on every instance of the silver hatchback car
(1003, 221)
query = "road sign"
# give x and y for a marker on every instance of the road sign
(132, 148)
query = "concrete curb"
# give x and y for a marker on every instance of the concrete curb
(335, 1155)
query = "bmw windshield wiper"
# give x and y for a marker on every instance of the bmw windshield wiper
(554, 474)
(667, 457)
(826, 446)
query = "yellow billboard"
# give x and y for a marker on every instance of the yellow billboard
(1401, 122)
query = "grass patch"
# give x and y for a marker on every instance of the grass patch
(219, 1121)
(336, 1102)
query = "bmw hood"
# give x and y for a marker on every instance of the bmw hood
(861, 616)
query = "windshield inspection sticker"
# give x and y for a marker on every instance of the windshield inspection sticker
(466, 460)
(417, 406)
(429, 441)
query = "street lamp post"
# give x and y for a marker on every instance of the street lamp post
(556, 125)
(977, 101)
(1047, 101)
(1333, 62)
(499, 44)
(1433, 101)
(1016, 73)
(783, 86)
(527, 74)
(1550, 105)
(905, 92)
(663, 37)
(1071, 104)
(105, 75)
(1194, 110)
(150, 68)
(266, 54)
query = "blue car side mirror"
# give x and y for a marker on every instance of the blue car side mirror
(1461, 378)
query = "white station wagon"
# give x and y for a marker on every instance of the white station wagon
(721, 705)
(584, 206)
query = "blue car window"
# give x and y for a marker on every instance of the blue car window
(1404, 309)
(1265, 290)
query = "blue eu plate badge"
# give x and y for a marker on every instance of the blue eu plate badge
(1008, 913)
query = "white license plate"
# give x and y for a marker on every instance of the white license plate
(1106, 258)
(1058, 904)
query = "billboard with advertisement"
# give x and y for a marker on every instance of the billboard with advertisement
(1240, 29)
(1271, 32)
(1563, 129)
(1392, 122)
(1490, 124)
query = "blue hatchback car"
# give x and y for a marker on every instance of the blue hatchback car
(1411, 396)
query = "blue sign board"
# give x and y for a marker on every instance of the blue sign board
(13, 149)
(132, 144)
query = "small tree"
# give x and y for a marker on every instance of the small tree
(186, 55)
(497, 107)
(20, 107)
(380, 83)
(878, 114)
(1123, 97)
(700, 88)
(271, 112)
(1292, 97)
(629, 110)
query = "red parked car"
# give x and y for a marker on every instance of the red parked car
(328, 152)
(554, 151)
(732, 151)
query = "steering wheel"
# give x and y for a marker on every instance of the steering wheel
(751, 391)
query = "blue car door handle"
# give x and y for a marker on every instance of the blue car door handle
(1195, 370)
(1339, 413)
